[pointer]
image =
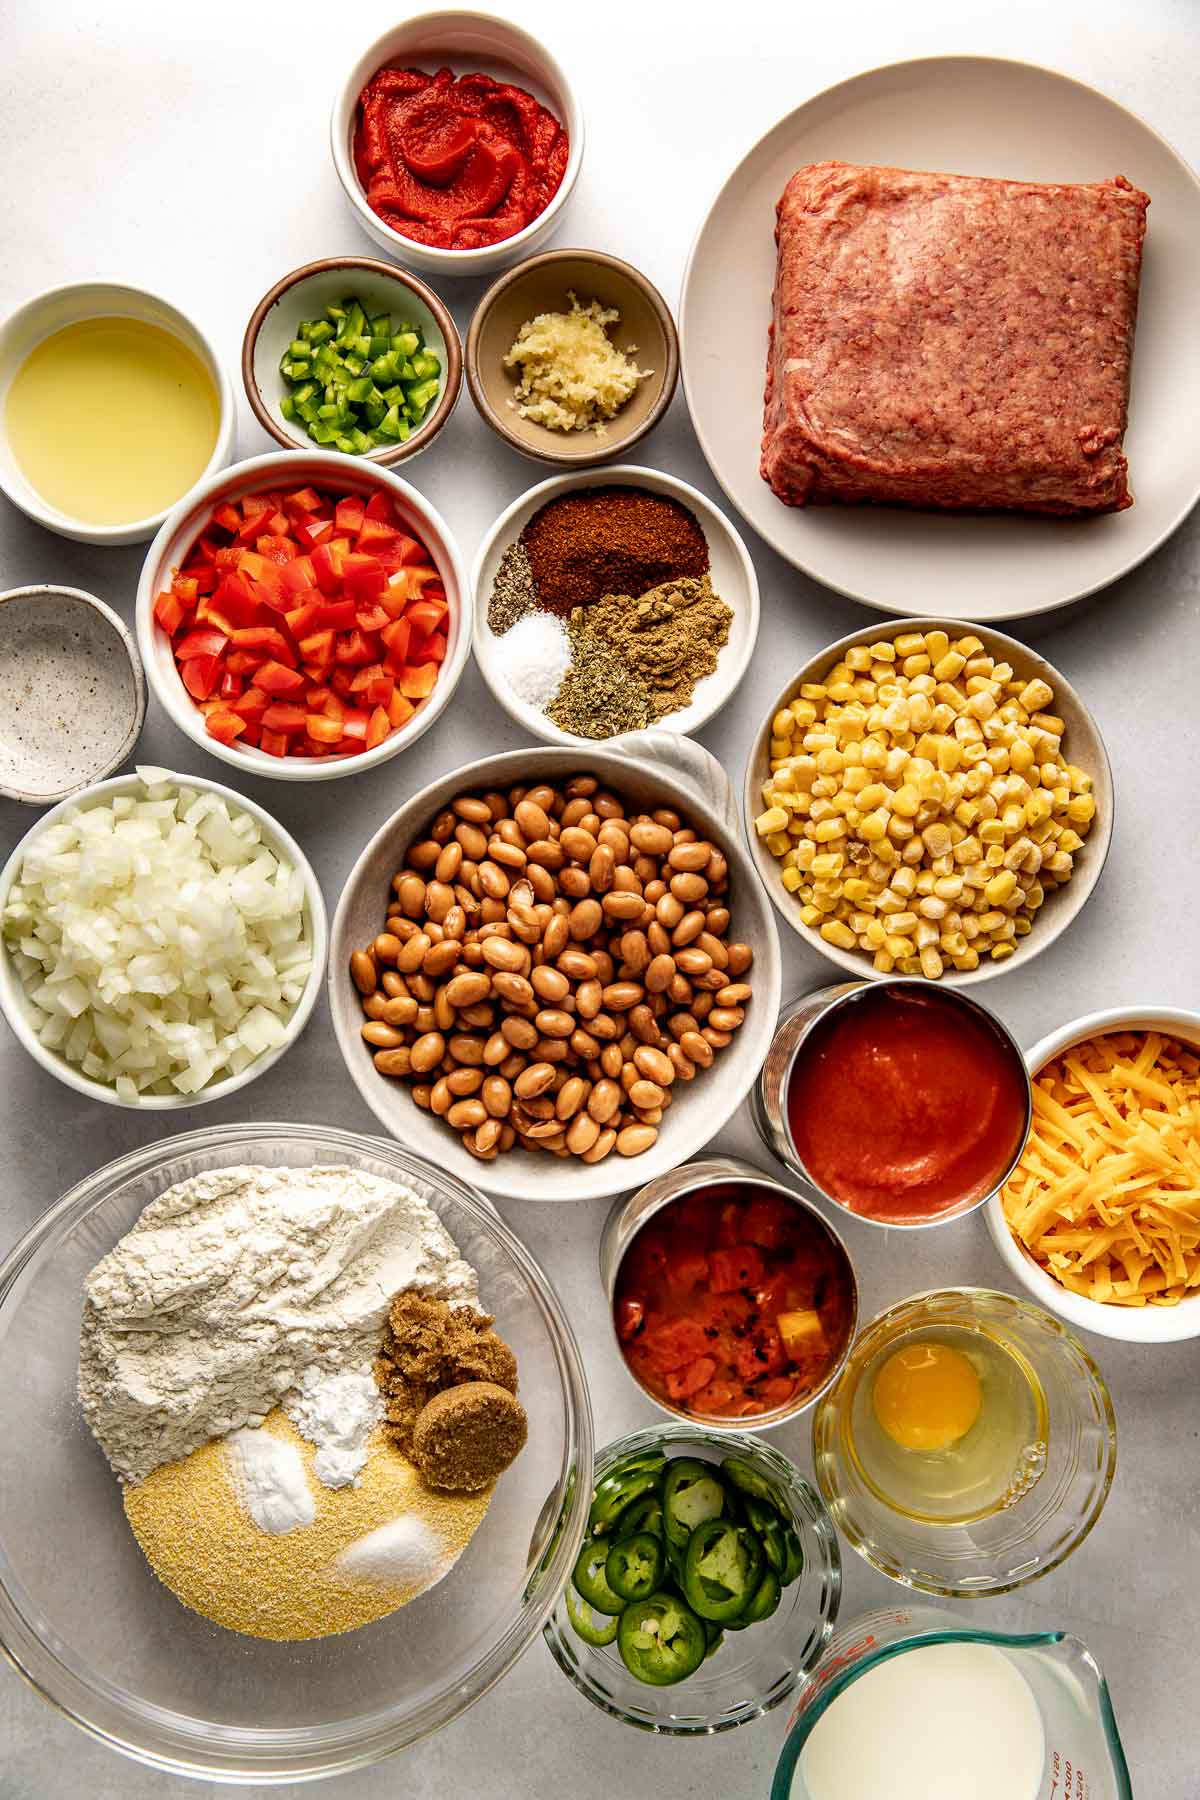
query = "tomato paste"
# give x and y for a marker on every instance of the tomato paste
(732, 1302)
(903, 1104)
(458, 163)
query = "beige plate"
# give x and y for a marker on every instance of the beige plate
(541, 285)
(1082, 745)
(973, 116)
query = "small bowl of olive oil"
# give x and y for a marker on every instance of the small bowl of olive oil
(113, 405)
(968, 1445)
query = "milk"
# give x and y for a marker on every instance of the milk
(941, 1722)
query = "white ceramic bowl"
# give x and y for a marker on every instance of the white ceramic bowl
(53, 311)
(648, 769)
(1082, 744)
(292, 469)
(467, 42)
(74, 698)
(14, 1003)
(1129, 1324)
(304, 294)
(733, 578)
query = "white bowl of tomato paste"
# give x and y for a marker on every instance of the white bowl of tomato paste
(303, 615)
(457, 140)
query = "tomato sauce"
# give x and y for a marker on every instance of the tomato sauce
(904, 1104)
(457, 163)
(732, 1302)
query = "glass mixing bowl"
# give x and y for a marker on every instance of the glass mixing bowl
(87, 1624)
(1042, 1520)
(754, 1670)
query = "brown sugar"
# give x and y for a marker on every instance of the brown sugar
(427, 1346)
(468, 1435)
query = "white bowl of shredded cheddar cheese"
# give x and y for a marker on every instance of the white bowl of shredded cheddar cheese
(1101, 1219)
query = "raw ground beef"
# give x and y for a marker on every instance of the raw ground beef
(952, 342)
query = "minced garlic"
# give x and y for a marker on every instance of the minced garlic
(572, 376)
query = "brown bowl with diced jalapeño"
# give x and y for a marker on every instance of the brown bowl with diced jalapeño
(708, 1581)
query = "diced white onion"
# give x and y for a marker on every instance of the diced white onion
(161, 943)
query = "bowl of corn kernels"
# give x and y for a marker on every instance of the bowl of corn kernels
(931, 798)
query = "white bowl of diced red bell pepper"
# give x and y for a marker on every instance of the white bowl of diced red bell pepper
(301, 615)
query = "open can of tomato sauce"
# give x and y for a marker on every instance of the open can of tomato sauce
(732, 1300)
(903, 1103)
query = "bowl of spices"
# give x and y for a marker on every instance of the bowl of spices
(264, 1461)
(572, 357)
(900, 1102)
(611, 604)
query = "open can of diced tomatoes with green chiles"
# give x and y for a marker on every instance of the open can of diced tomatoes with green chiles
(733, 1300)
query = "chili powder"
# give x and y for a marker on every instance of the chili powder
(613, 540)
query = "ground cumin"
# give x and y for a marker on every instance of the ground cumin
(428, 1346)
(667, 638)
(612, 540)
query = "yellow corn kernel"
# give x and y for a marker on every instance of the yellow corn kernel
(937, 643)
(858, 657)
(1035, 695)
(841, 691)
(779, 748)
(1070, 841)
(1081, 782)
(931, 962)
(991, 831)
(792, 879)
(1081, 809)
(828, 863)
(1001, 951)
(908, 642)
(949, 665)
(810, 915)
(1000, 887)
(812, 690)
(883, 652)
(803, 712)
(883, 962)
(897, 946)
(781, 724)
(873, 826)
(875, 934)
(834, 932)
(778, 842)
(969, 959)
(1038, 807)
(1022, 926)
(774, 819)
(856, 889)
(906, 801)
(916, 665)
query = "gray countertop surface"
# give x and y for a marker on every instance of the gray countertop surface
(185, 149)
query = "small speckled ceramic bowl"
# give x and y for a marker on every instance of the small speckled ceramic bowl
(73, 698)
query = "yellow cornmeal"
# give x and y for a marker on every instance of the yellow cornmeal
(202, 1543)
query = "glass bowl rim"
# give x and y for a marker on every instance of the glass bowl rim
(180, 1744)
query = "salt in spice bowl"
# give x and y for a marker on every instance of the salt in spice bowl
(73, 700)
(733, 580)
(983, 1036)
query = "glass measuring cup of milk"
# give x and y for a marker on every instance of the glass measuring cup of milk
(941, 1710)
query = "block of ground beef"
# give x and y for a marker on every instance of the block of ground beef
(951, 342)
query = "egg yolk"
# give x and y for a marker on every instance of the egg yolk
(927, 1396)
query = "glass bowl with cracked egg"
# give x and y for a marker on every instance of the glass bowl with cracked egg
(85, 1621)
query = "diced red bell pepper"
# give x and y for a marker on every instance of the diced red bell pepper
(304, 500)
(209, 614)
(227, 517)
(322, 729)
(276, 546)
(372, 618)
(302, 619)
(205, 577)
(236, 598)
(399, 710)
(224, 725)
(354, 724)
(327, 567)
(379, 506)
(352, 647)
(200, 675)
(348, 514)
(427, 649)
(185, 588)
(170, 612)
(364, 578)
(396, 636)
(252, 704)
(318, 646)
(277, 678)
(283, 716)
(231, 685)
(264, 637)
(418, 683)
(729, 1270)
(274, 743)
(312, 532)
(426, 615)
(336, 615)
(379, 727)
(334, 706)
(245, 662)
(380, 689)
(199, 643)
(299, 577)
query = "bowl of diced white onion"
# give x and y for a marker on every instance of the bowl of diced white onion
(162, 941)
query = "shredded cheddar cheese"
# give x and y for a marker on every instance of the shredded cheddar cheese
(1106, 1197)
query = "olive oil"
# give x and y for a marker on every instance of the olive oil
(112, 420)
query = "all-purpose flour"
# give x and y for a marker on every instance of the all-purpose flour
(241, 1285)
